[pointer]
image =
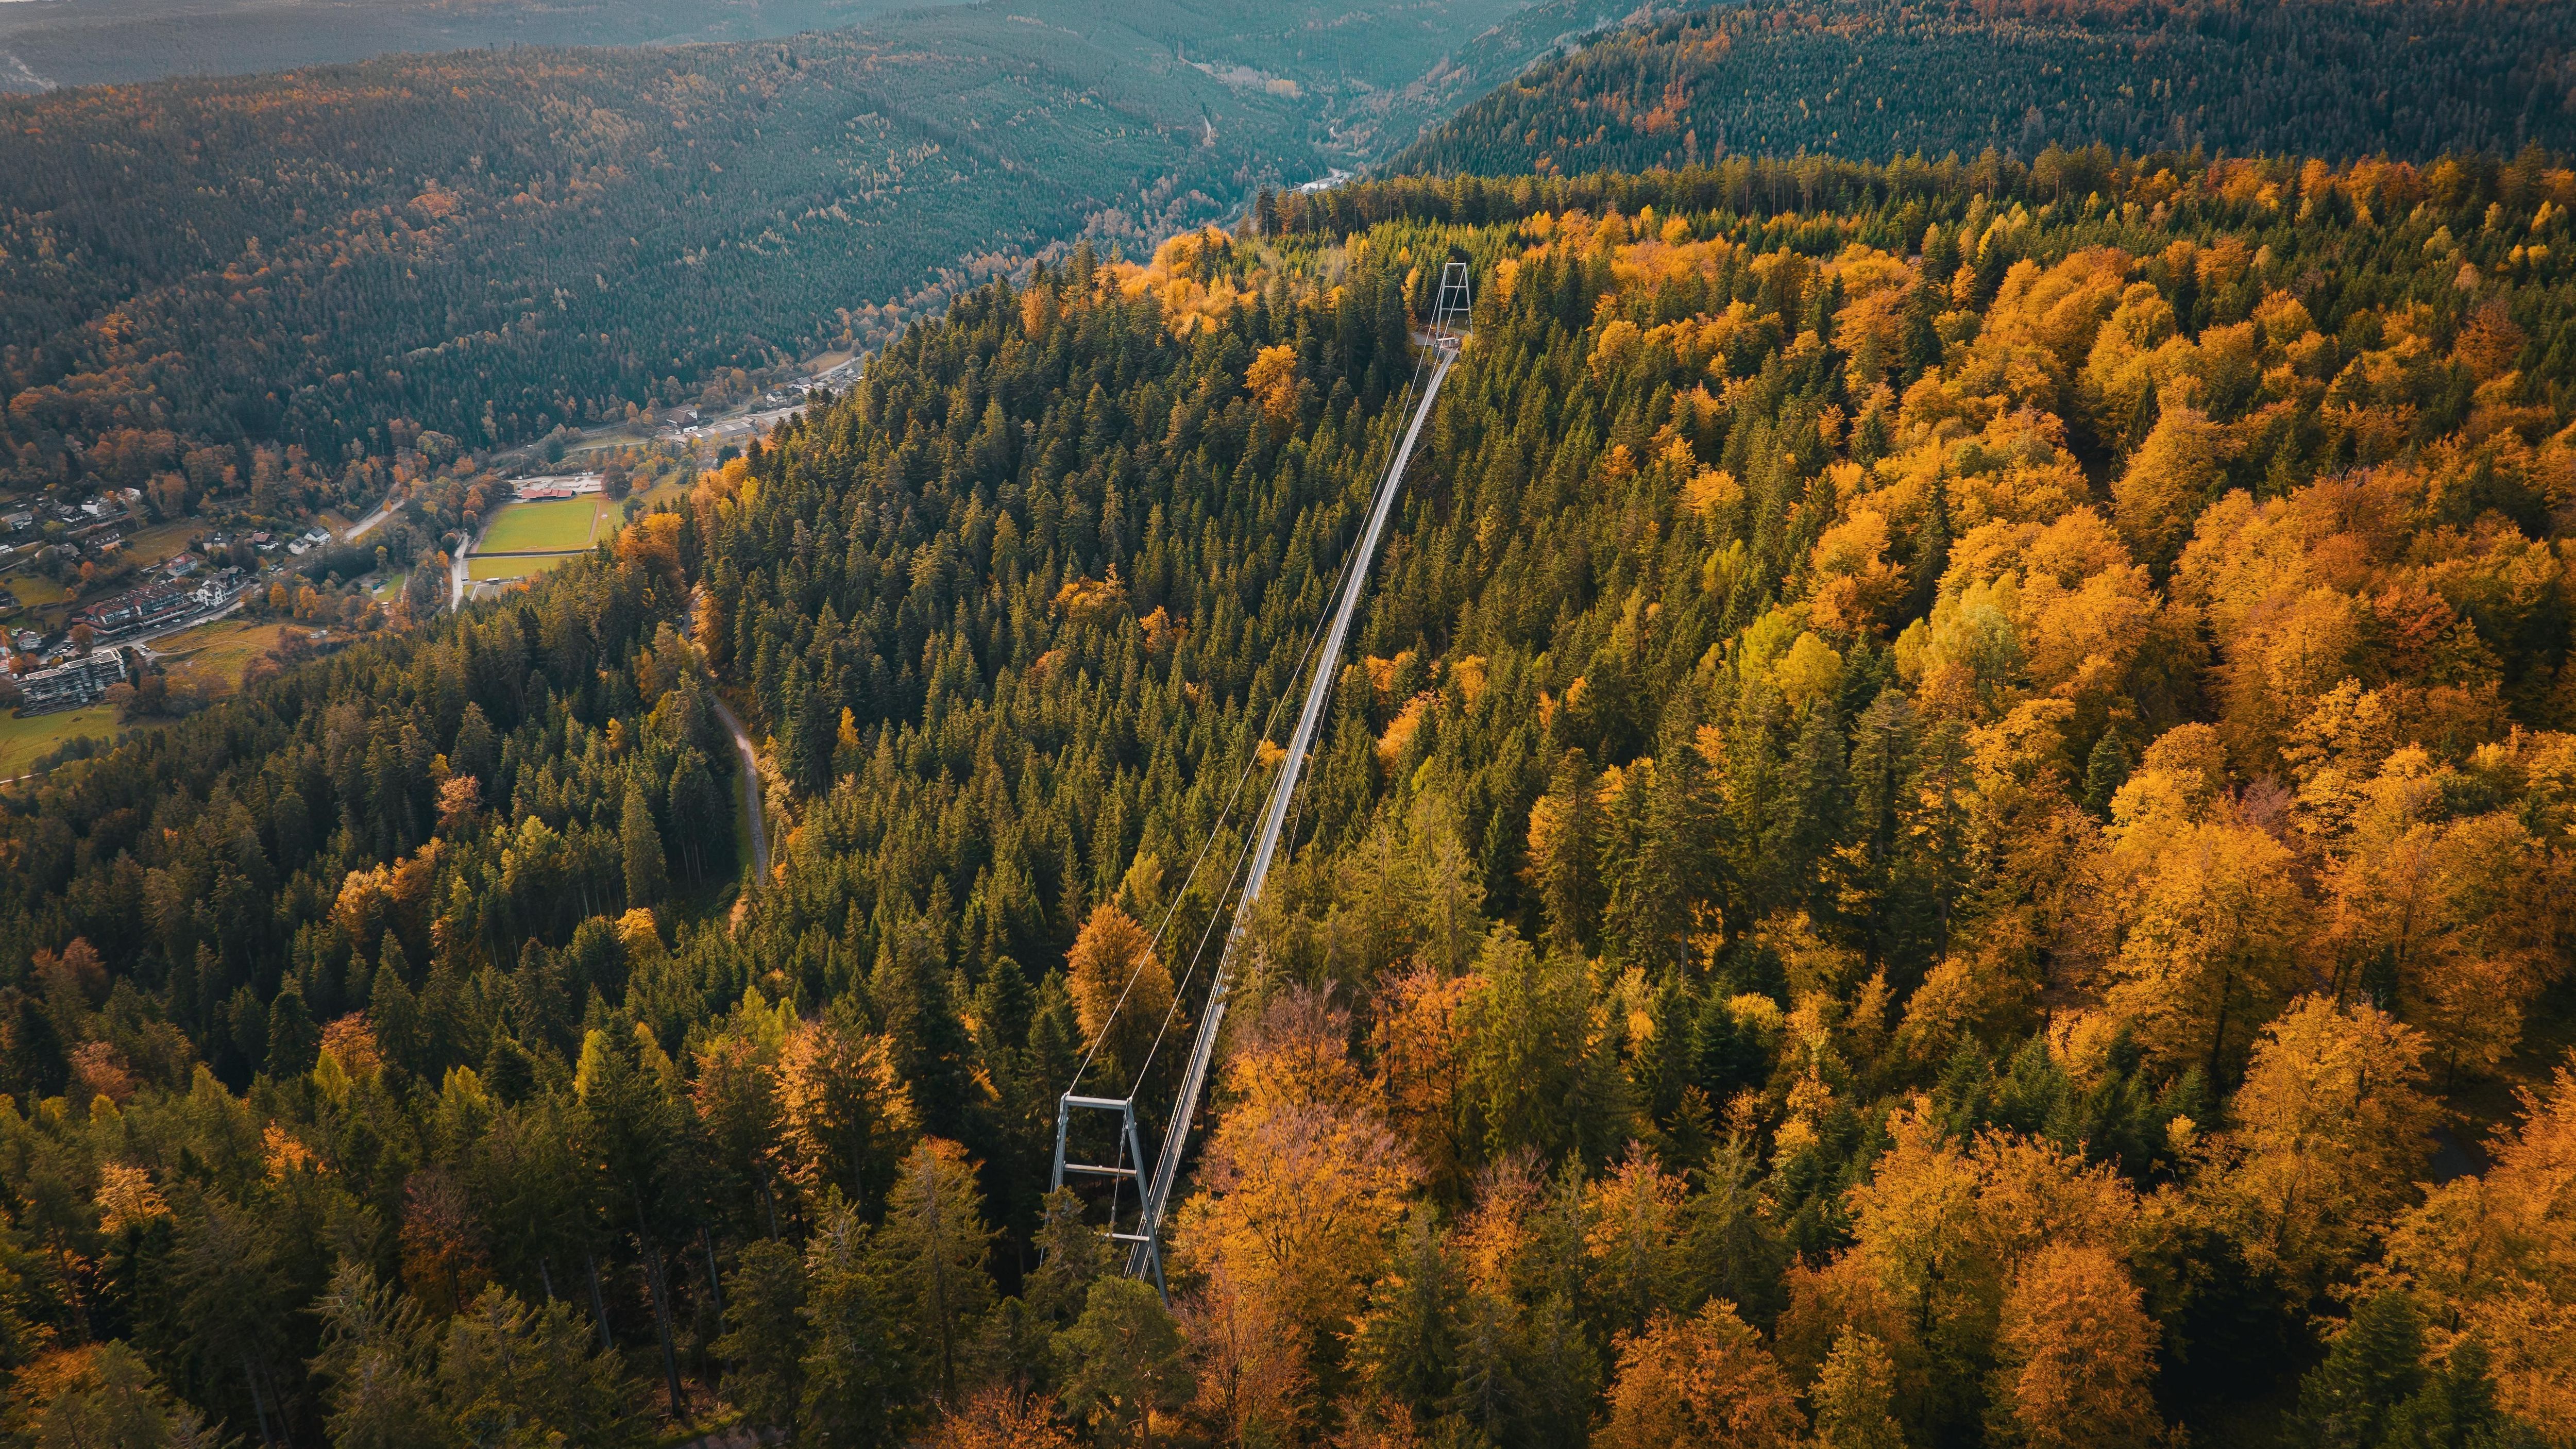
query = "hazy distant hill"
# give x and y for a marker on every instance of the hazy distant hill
(491, 243)
(1870, 78)
(86, 42)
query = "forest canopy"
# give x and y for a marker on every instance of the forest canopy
(1933, 757)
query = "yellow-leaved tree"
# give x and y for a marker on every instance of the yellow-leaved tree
(1704, 1382)
(2493, 1256)
(1120, 988)
(2329, 1132)
(2204, 910)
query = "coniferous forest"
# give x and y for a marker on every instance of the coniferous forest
(1946, 823)
(1872, 78)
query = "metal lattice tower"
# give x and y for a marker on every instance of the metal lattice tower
(1451, 313)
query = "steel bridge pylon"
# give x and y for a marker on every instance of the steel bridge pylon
(1129, 1167)
(1453, 309)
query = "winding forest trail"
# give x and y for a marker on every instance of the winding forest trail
(750, 786)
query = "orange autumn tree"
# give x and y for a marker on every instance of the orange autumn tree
(2075, 1356)
(1418, 1044)
(1941, 1230)
(1305, 1181)
(1120, 988)
(844, 1114)
(1704, 1382)
(2493, 1259)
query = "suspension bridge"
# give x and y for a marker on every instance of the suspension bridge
(1153, 1186)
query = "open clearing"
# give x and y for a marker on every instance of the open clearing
(222, 649)
(555, 526)
(34, 589)
(161, 540)
(22, 740)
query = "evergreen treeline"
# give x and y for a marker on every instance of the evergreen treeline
(1872, 78)
(1936, 793)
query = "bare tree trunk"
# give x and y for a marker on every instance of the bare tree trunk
(658, 1285)
(258, 1401)
(598, 1306)
(715, 1286)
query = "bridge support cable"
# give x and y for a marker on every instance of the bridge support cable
(1144, 1256)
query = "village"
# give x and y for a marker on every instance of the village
(101, 589)
(70, 655)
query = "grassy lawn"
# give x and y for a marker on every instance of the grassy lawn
(22, 740)
(557, 525)
(222, 649)
(513, 566)
(161, 540)
(33, 589)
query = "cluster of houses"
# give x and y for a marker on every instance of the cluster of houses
(168, 600)
(104, 506)
(71, 685)
(173, 593)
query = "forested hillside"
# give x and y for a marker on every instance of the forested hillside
(1877, 79)
(1944, 796)
(489, 244)
(120, 42)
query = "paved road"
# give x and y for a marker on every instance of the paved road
(365, 525)
(750, 788)
(456, 574)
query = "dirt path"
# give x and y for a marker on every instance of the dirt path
(750, 788)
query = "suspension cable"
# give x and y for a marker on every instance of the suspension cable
(1322, 624)
(1136, 969)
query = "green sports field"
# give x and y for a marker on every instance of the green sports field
(511, 566)
(560, 525)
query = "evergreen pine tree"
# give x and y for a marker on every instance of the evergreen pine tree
(857, 1368)
(2374, 1365)
(647, 880)
(2106, 769)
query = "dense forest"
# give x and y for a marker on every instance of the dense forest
(1946, 826)
(489, 244)
(1877, 79)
